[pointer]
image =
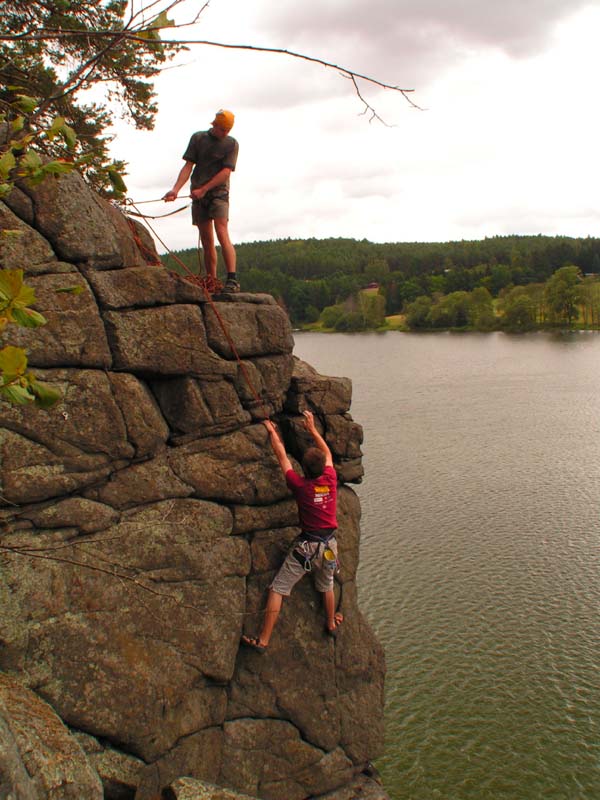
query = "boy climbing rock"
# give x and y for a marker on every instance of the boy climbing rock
(315, 549)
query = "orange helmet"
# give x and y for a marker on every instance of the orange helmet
(224, 119)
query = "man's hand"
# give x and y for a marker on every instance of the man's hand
(198, 193)
(170, 196)
(309, 424)
(309, 421)
(278, 446)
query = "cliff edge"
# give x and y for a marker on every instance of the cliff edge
(143, 518)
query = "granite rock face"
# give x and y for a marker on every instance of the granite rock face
(38, 756)
(142, 520)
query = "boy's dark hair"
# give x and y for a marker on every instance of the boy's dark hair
(313, 462)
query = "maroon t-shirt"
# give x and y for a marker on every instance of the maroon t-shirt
(316, 498)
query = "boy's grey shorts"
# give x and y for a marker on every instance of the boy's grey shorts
(292, 570)
(210, 207)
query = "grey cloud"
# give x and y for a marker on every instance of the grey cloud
(410, 41)
(272, 82)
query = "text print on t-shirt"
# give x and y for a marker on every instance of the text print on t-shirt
(321, 494)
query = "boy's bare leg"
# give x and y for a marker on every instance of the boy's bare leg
(334, 619)
(227, 248)
(209, 250)
(274, 603)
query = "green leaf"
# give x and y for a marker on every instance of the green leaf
(25, 103)
(68, 135)
(28, 318)
(45, 395)
(11, 283)
(7, 163)
(162, 21)
(55, 128)
(17, 124)
(20, 144)
(117, 181)
(151, 32)
(17, 395)
(13, 362)
(70, 290)
(149, 35)
(31, 161)
(5, 188)
(57, 167)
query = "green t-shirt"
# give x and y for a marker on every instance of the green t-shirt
(210, 155)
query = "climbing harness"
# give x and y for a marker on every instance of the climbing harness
(305, 554)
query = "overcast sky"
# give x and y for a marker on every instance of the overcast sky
(507, 143)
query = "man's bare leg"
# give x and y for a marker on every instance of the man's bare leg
(274, 603)
(333, 619)
(208, 247)
(227, 248)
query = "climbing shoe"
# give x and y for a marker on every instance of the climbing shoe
(231, 286)
(254, 643)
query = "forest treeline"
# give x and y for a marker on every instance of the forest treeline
(309, 276)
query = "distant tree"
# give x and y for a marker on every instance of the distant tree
(298, 300)
(590, 300)
(372, 308)
(536, 293)
(351, 322)
(499, 277)
(481, 310)
(331, 314)
(417, 313)
(311, 314)
(437, 284)
(377, 270)
(391, 290)
(518, 312)
(411, 289)
(452, 311)
(563, 293)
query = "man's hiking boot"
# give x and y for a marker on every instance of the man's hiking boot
(231, 286)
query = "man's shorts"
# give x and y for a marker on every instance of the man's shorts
(210, 207)
(292, 570)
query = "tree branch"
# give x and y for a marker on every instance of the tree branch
(133, 36)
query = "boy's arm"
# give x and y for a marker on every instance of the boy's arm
(182, 179)
(309, 422)
(278, 448)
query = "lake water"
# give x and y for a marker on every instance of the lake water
(480, 556)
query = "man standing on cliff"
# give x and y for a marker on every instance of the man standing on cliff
(315, 549)
(210, 158)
